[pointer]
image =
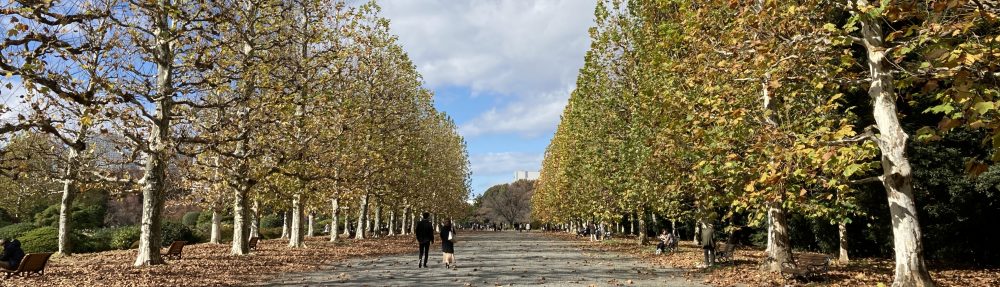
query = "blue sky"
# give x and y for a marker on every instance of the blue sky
(502, 69)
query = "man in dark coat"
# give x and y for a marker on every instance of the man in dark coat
(708, 243)
(425, 236)
(12, 254)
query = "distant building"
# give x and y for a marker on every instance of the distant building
(528, 175)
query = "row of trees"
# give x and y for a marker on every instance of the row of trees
(745, 112)
(298, 105)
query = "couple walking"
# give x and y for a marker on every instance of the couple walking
(425, 236)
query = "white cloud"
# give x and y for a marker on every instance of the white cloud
(504, 163)
(530, 116)
(499, 46)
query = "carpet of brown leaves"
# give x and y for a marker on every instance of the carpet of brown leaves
(745, 270)
(209, 264)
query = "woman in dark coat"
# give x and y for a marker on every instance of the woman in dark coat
(448, 244)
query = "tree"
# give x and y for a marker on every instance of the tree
(509, 202)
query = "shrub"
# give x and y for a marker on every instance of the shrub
(191, 218)
(16, 230)
(42, 239)
(46, 239)
(271, 221)
(82, 216)
(270, 233)
(123, 237)
(48, 217)
(99, 240)
(173, 231)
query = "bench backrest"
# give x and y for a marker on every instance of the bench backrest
(33, 262)
(812, 259)
(176, 247)
(253, 242)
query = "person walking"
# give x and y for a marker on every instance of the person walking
(448, 244)
(425, 236)
(708, 243)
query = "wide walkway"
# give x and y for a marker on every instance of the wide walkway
(495, 259)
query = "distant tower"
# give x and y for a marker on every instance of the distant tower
(527, 175)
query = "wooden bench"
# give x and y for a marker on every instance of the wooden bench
(253, 243)
(175, 250)
(806, 266)
(726, 254)
(33, 263)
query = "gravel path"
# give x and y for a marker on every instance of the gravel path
(495, 259)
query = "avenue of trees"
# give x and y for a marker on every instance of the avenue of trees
(875, 120)
(245, 108)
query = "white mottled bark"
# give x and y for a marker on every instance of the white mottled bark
(842, 231)
(286, 224)
(779, 248)
(362, 218)
(68, 195)
(312, 221)
(334, 221)
(296, 236)
(216, 234)
(392, 222)
(896, 178)
(377, 225)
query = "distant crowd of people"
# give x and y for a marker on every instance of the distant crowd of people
(520, 227)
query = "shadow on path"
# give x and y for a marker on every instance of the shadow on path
(494, 259)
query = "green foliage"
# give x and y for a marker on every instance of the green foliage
(5, 218)
(271, 221)
(173, 231)
(82, 216)
(124, 237)
(270, 233)
(16, 230)
(42, 239)
(97, 241)
(45, 239)
(190, 218)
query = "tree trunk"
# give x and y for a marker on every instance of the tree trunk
(697, 231)
(334, 221)
(842, 231)
(216, 233)
(157, 147)
(243, 223)
(152, 212)
(311, 231)
(392, 222)
(297, 235)
(642, 228)
(405, 218)
(347, 225)
(631, 224)
(377, 226)
(362, 214)
(656, 224)
(673, 227)
(68, 195)
(255, 224)
(413, 222)
(896, 177)
(286, 224)
(779, 248)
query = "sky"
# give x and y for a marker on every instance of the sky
(502, 69)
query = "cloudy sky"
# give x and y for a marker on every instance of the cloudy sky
(502, 69)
